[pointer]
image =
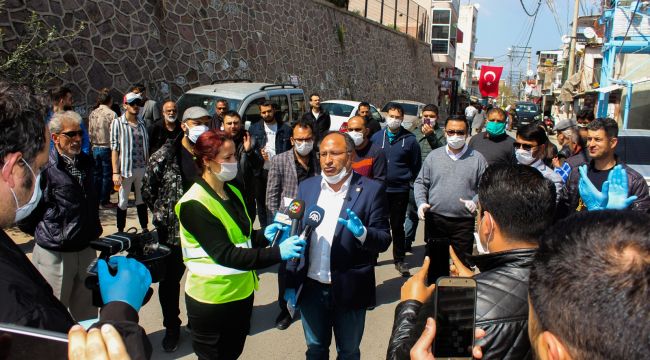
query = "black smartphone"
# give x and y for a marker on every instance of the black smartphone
(455, 318)
(20, 342)
(426, 121)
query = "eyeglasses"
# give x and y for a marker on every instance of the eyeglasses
(455, 132)
(331, 154)
(72, 134)
(527, 147)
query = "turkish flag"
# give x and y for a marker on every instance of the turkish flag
(488, 82)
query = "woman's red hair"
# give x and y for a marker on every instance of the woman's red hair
(208, 145)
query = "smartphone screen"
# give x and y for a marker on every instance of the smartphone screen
(455, 314)
(19, 342)
(427, 121)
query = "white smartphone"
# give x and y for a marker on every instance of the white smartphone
(455, 318)
(20, 342)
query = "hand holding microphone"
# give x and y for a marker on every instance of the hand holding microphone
(276, 230)
(292, 247)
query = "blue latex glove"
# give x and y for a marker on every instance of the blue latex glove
(591, 197)
(618, 190)
(290, 296)
(269, 232)
(292, 247)
(130, 283)
(353, 223)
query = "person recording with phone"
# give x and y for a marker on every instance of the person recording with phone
(516, 205)
(221, 252)
(26, 297)
(334, 283)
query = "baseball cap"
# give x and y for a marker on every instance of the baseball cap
(131, 98)
(195, 112)
(564, 124)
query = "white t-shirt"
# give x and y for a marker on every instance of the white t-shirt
(470, 111)
(271, 131)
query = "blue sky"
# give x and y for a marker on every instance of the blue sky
(503, 23)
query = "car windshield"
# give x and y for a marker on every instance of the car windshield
(527, 108)
(409, 109)
(338, 109)
(206, 101)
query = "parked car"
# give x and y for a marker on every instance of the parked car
(412, 110)
(633, 150)
(342, 110)
(526, 113)
(245, 97)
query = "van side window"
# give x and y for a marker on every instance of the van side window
(297, 107)
(281, 103)
(252, 113)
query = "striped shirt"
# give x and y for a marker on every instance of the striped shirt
(122, 142)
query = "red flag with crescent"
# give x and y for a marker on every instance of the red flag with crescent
(488, 82)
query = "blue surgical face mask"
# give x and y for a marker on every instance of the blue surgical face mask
(195, 131)
(24, 211)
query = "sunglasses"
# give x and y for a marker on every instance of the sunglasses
(72, 134)
(136, 103)
(455, 132)
(527, 147)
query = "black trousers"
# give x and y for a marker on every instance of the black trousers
(169, 289)
(442, 231)
(260, 197)
(398, 204)
(282, 286)
(219, 330)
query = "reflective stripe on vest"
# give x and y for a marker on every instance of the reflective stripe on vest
(196, 253)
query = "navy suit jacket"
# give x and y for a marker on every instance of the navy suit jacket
(351, 263)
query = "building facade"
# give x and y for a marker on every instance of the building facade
(466, 46)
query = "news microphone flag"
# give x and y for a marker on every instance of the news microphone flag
(488, 82)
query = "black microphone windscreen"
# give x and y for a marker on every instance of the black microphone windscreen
(296, 209)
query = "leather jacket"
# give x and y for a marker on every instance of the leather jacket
(501, 309)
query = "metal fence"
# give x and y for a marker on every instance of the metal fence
(402, 15)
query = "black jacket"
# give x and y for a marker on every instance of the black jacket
(258, 140)
(321, 125)
(27, 300)
(158, 135)
(501, 309)
(570, 201)
(67, 217)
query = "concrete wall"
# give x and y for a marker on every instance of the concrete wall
(174, 45)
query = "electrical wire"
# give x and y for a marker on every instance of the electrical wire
(532, 29)
(556, 17)
(629, 26)
(526, 10)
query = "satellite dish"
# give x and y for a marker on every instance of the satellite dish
(566, 39)
(589, 33)
(477, 6)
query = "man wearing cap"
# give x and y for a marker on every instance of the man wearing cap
(572, 143)
(129, 156)
(170, 172)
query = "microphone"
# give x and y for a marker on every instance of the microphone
(314, 218)
(280, 218)
(296, 212)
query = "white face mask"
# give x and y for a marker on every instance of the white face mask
(524, 157)
(408, 125)
(195, 132)
(356, 136)
(479, 245)
(335, 179)
(393, 123)
(228, 172)
(24, 211)
(456, 141)
(303, 148)
(170, 118)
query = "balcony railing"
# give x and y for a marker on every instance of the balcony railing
(402, 15)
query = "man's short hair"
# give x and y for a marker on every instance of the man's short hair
(139, 87)
(520, 200)
(395, 106)
(221, 101)
(590, 284)
(585, 114)
(57, 94)
(22, 115)
(608, 124)
(303, 123)
(497, 110)
(430, 107)
(533, 132)
(232, 113)
(457, 117)
(268, 103)
(312, 95)
(364, 104)
(572, 134)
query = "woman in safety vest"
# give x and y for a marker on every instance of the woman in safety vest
(221, 251)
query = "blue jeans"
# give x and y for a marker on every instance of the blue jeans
(412, 220)
(319, 317)
(103, 173)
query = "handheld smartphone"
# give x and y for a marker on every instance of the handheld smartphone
(20, 342)
(455, 318)
(426, 121)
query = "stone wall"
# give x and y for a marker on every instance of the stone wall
(173, 46)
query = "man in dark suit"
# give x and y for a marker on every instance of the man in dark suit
(287, 171)
(319, 118)
(335, 279)
(269, 137)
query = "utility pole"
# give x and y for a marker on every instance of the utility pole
(574, 30)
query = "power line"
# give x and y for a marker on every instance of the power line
(526, 10)
(556, 17)
(628, 27)
(532, 29)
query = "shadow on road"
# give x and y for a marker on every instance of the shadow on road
(263, 318)
(184, 346)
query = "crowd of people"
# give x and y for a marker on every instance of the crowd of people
(561, 234)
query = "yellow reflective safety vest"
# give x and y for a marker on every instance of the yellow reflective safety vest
(207, 281)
